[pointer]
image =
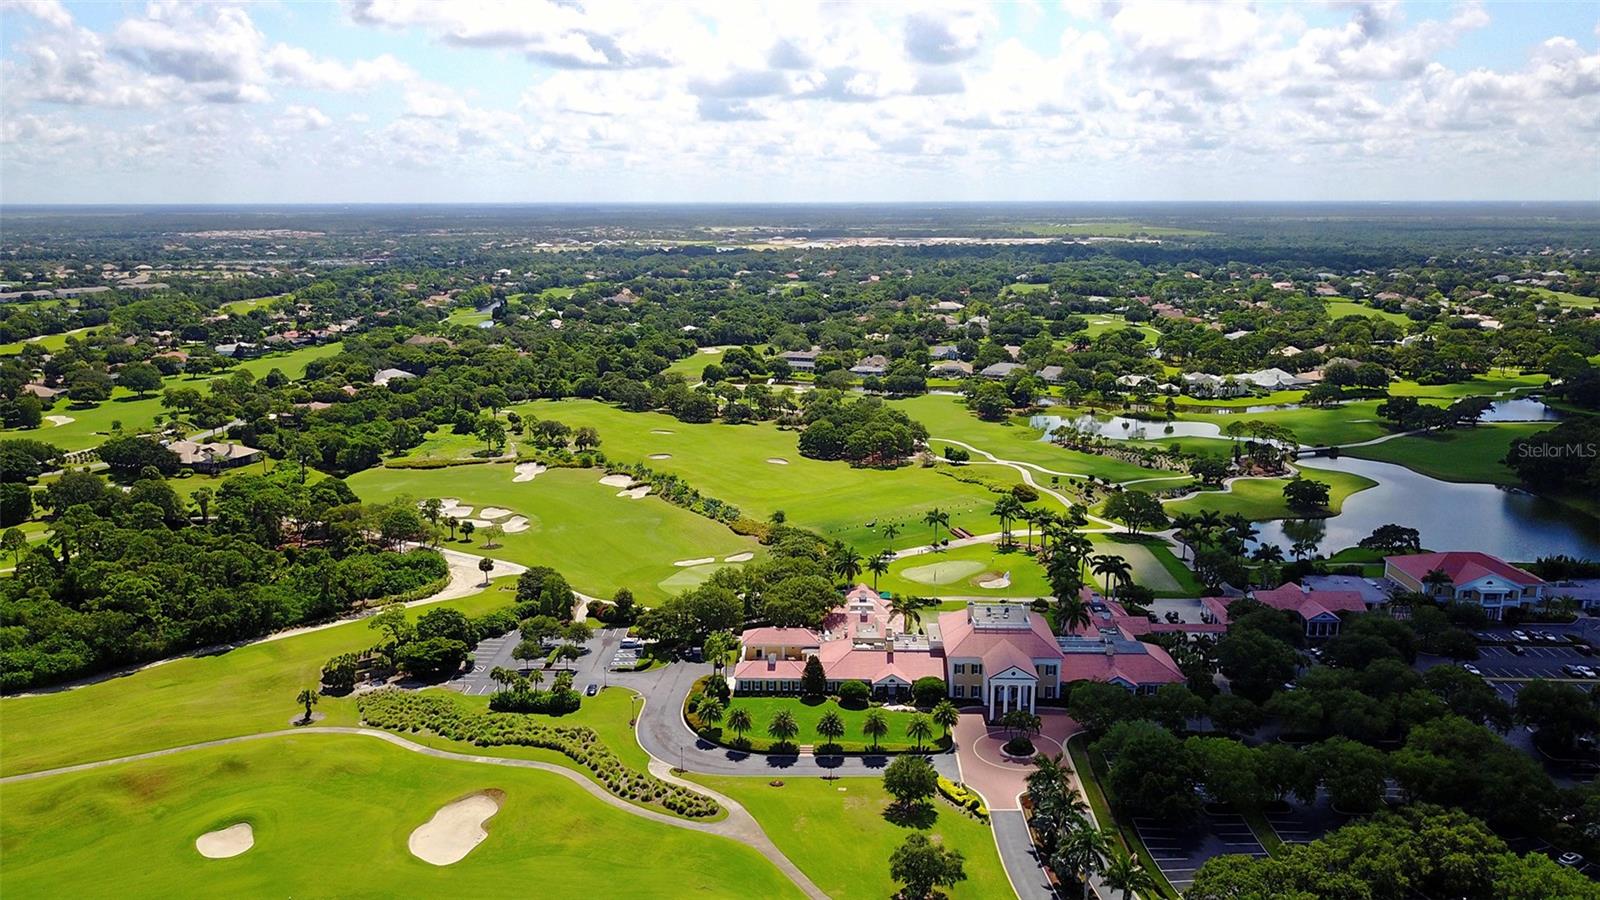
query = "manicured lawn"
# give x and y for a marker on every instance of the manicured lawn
(444, 443)
(90, 425)
(1261, 499)
(1338, 309)
(729, 462)
(836, 832)
(598, 540)
(959, 571)
(468, 317)
(1271, 398)
(1477, 386)
(806, 715)
(50, 342)
(1342, 424)
(1153, 564)
(1460, 454)
(1568, 298)
(948, 417)
(192, 699)
(331, 816)
(239, 307)
(694, 364)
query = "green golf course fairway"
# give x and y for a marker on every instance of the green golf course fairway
(577, 525)
(1259, 499)
(1460, 454)
(956, 573)
(195, 698)
(807, 817)
(332, 815)
(730, 462)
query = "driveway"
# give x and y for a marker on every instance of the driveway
(1000, 779)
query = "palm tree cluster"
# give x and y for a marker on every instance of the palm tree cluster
(1218, 543)
(1069, 842)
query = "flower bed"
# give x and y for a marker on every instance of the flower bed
(397, 710)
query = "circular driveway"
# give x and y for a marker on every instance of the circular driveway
(1001, 780)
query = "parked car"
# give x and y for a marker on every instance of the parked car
(1519, 635)
(1570, 859)
(1515, 650)
(1570, 670)
(1472, 669)
(1549, 636)
(1584, 671)
(592, 689)
(1583, 649)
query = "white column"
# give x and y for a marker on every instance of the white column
(988, 690)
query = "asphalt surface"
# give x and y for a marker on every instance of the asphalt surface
(1019, 856)
(1180, 852)
(590, 668)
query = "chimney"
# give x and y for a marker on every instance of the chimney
(1110, 650)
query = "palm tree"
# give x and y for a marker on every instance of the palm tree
(502, 676)
(847, 563)
(830, 727)
(536, 677)
(945, 715)
(712, 711)
(1123, 873)
(1435, 580)
(1072, 613)
(1181, 523)
(783, 727)
(1242, 528)
(308, 698)
(909, 609)
(1268, 553)
(1081, 854)
(878, 565)
(874, 726)
(935, 518)
(1006, 509)
(739, 721)
(1112, 566)
(918, 729)
(890, 532)
(1074, 546)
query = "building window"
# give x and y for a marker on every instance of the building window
(961, 668)
(977, 668)
(961, 691)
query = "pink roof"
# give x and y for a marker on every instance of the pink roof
(842, 661)
(784, 669)
(1462, 566)
(1310, 604)
(1154, 666)
(781, 637)
(962, 640)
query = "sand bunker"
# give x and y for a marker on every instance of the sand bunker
(450, 506)
(516, 524)
(226, 842)
(739, 557)
(659, 431)
(661, 456)
(711, 351)
(455, 830)
(777, 460)
(637, 493)
(527, 471)
(996, 583)
(480, 523)
(695, 562)
(494, 512)
(60, 420)
(617, 481)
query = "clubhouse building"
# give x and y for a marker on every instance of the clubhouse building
(1001, 656)
(1466, 577)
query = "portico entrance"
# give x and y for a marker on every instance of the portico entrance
(1009, 690)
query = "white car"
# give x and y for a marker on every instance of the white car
(1472, 669)
(1519, 635)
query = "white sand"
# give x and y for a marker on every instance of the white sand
(685, 563)
(450, 506)
(455, 830)
(494, 512)
(60, 420)
(617, 481)
(777, 460)
(226, 842)
(661, 456)
(516, 524)
(528, 471)
(711, 351)
(480, 523)
(638, 493)
(739, 557)
(995, 584)
(659, 431)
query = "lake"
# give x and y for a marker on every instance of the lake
(1122, 428)
(1510, 524)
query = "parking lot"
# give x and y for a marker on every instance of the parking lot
(1301, 823)
(496, 652)
(1531, 660)
(1180, 852)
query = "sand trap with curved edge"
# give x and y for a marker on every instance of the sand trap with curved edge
(695, 562)
(659, 431)
(777, 460)
(494, 512)
(226, 842)
(480, 523)
(638, 493)
(60, 420)
(455, 830)
(739, 557)
(527, 471)
(995, 584)
(661, 456)
(617, 481)
(516, 524)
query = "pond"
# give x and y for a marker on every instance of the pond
(1522, 409)
(1121, 428)
(1510, 524)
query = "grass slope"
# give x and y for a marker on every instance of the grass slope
(331, 816)
(598, 540)
(1461, 454)
(957, 572)
(807, 818)
(1260, 499)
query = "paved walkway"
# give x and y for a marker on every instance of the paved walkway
(739, 825)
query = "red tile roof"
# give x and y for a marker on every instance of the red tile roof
(1310, 604)
(1462, 566)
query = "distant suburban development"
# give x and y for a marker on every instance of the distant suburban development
(1200, 551)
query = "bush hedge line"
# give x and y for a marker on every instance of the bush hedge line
(409, 711)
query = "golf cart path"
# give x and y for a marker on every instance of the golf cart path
(738, 826)
(1026, 470)
(465, 579)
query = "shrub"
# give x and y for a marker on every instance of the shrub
(408, 711)
(963, 797)
(929, 690)
(854, 694)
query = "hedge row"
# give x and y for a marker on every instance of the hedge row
(409, 711)
(963, 797)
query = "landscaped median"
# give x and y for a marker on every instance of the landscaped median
(807, 714)
(407, 711)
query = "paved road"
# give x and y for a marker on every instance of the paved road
(739, 824)
(1019, 856)
(664, 735)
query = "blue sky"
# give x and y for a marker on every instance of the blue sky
(411, 100)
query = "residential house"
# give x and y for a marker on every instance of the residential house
(1204, 384)
(388, 375)
(871, 365)
(950, 368)
(943, 352)
(213, 457)
(1000, 370)
(1466, 577)
(1318, 611)
(1052, 374)
(1273, 379)
(801, 360)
